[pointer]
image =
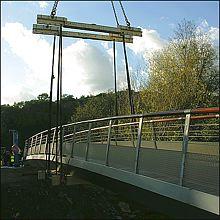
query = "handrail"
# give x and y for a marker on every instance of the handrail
(151, 114)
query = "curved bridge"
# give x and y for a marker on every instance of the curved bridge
(174, 154)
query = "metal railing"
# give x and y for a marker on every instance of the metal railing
(160, 145)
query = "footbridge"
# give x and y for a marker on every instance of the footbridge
(174, 154)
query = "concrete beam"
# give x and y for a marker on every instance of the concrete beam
(54, 30)
(57, 21)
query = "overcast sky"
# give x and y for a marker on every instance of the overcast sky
(87, 65)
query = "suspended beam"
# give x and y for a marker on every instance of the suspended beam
(57, 21)
(54, 30)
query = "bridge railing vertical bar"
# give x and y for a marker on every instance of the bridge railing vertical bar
(35, 144)
(88, 141)
(184, 147)
(108, 143)
(73, 140)
(41, 136)
(32, 140)
(140, 126)
(154, 135)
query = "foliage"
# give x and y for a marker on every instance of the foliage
(31, 117)
(184, 73)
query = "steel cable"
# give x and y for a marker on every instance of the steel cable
(126, 19)
(113, 7)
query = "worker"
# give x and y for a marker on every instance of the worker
(16, 152)
(12, 160)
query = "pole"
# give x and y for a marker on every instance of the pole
(60, 106)
(50, 103)
(128, 80)
(115, 77)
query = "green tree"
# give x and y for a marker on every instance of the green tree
(184, 74)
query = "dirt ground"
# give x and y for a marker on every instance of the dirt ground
(25, 197)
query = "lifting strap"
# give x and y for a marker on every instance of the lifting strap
(115, 79)
(60, 106)
(48, 144)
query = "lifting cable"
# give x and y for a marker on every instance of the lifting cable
(58, 134)
(126, 19)
(131, 102)
(53, 13)
(113, 7)
(60, 107)
(48, 144)
(115, 79)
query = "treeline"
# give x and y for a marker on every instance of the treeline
(184, 74)
(31, 117)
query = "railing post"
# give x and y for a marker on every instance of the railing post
(184, 147)
(40, 143)
(154, 135)
(138, 144)
(35, 145)
(88, 141)
(73, 139)
(108, 142)
(32, 140)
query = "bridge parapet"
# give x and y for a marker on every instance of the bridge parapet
(179, 147)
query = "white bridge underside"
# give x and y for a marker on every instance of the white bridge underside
(158, 169)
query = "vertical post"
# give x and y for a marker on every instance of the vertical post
(184, 147)
(138, 144)
(40, 143)
(154, 135)
(50, 104)
(73, 139)
(115, 79)
(32, 140)
(108, 142)
(61, 124)
(88, 141)
(35, 145)
(128, 80)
